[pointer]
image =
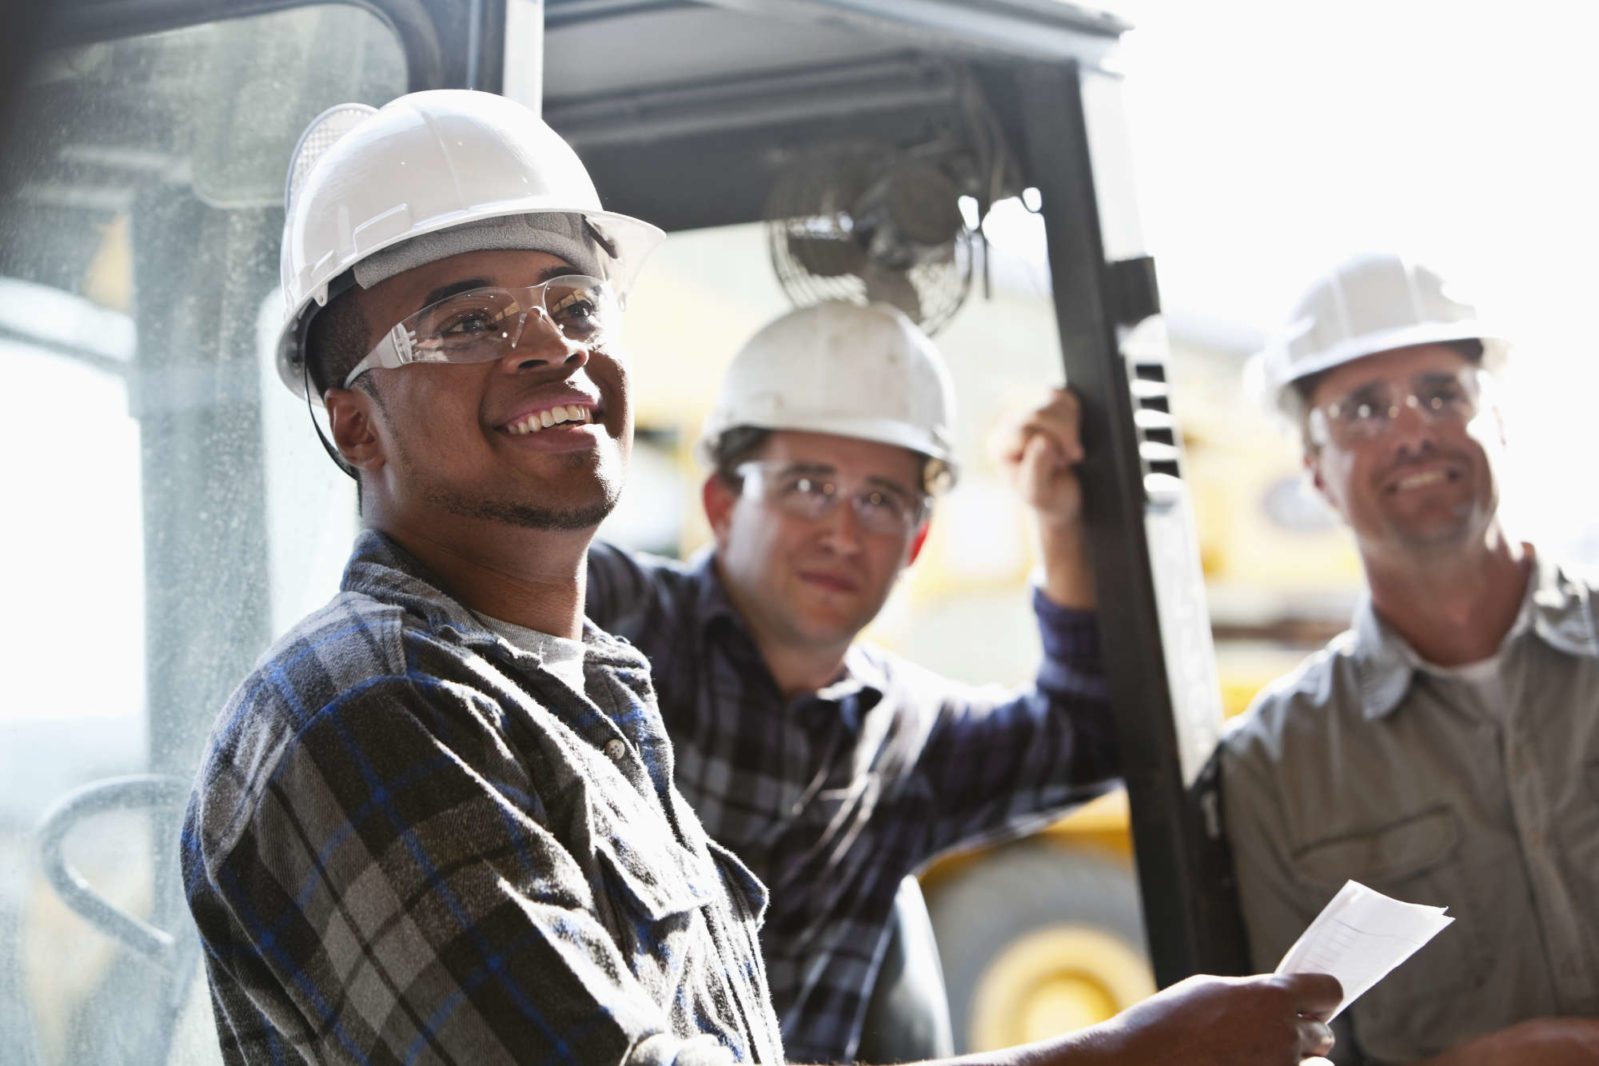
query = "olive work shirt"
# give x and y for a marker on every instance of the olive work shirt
(1476, 789)
(410, 841)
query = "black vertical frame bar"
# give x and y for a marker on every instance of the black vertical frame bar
(485, 42)
(1187, 900)
(23, 20)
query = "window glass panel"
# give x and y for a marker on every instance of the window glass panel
(168, 512)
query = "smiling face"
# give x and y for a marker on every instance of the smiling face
(1424, 484)
(812, 584)
(538, 438)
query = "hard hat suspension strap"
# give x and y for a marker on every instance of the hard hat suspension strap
(327, 446)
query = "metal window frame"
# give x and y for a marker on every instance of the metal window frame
(424, 38)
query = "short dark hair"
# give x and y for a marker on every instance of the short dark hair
(736, 445)
(336, 341)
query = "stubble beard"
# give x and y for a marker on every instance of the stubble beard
(525, 515)
(1465, 526)
(528, 516)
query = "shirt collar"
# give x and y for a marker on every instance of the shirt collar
(380, 568)
(710, 595)
(856, 690)
(1555, 609)
(1562, 615)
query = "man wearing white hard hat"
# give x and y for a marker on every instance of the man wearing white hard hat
(832, 768)
(1444, 750)
(436, 823)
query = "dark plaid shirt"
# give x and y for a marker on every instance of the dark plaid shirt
(411, 843)
(833, 798)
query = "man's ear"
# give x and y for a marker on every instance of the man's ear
(1311, 461)
(718, 498)
(353, 426)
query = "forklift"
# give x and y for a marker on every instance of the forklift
(141, 198)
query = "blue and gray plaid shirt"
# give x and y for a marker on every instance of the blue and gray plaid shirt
(833, 798)
(411, 843)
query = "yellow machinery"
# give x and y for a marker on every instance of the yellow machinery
(1045, 933)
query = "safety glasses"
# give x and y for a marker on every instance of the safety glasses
(1371, 410)
(813, 492)
(482, 325)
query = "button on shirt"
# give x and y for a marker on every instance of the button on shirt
(411, 842)
(1475, 789)
(833, 798)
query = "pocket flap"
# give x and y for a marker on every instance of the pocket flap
(659, 875)
(1386, 854)
(741, 880)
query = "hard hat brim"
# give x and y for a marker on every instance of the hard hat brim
(633, 239)
(1495, 351)
(878, 431)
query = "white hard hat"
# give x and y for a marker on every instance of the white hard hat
(843, 368)
(464, 168)
(1370, 303)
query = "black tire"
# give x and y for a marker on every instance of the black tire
(1021, 890)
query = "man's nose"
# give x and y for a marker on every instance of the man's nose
(1411, 431)
(536, 341)
(842, 531)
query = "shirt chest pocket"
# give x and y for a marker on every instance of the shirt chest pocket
(742, 885)
(1416, 859)
(652, 893)
(643, 869)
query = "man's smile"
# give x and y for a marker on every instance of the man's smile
(1419, 477)
(829, 580)
(544, 418)
(561, 415)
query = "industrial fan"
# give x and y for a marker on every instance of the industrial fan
(866, 222)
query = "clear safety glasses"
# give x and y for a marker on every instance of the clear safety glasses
(1369, 412)
(482, 325)
(813, 492)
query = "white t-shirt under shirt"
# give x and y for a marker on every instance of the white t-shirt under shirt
(1485, 676)
(558, 655)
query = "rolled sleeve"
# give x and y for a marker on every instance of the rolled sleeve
(998, 763)
(1072, 662)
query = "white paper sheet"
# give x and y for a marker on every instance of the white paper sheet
(1360, 936)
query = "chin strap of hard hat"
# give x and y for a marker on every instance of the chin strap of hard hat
(327, 445)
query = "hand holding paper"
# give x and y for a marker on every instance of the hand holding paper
(1360, 936)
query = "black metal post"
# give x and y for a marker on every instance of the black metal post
(1133, 495)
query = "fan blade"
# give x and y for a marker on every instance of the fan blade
(826, 257)
(924, 204)
(894, 288)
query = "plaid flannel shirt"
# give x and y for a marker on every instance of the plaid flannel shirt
(833, 798)
(410, 843)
